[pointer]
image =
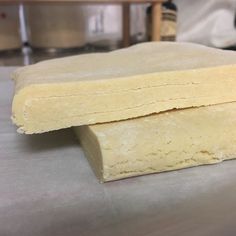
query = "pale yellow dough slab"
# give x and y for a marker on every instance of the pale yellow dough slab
(162, 142)
(102, 87)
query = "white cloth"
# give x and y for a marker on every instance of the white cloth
(208, 22)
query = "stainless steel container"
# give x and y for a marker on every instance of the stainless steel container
(54, 27)
(10, 39)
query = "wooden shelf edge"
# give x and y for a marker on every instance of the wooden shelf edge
(79, 1)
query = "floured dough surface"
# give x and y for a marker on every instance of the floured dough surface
(162, 142)
(102, 87)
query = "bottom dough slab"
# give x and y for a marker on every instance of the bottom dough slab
(162, 142)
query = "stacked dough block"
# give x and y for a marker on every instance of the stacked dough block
(148, 108)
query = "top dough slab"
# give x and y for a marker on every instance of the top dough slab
(136, 81)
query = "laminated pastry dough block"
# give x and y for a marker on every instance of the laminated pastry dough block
(161, 142)
(102, 87)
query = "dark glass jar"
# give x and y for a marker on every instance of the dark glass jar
(169, 21)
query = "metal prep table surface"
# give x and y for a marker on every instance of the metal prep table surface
(48, 189)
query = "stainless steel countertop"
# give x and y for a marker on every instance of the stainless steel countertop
(28, 55)
(47, 188)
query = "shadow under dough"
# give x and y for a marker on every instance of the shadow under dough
(51, 140)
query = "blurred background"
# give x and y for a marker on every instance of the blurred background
(31, 32)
